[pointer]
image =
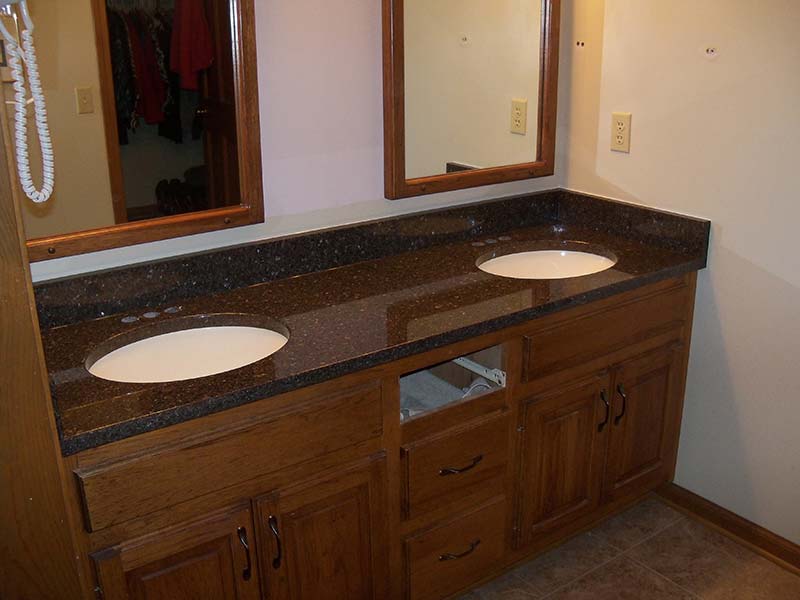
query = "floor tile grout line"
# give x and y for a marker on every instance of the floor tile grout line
(589, 572)
(662, 576)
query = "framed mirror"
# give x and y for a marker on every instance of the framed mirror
(470, 93)
(153, 111)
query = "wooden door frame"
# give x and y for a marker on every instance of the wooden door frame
(39, 556)
(394, 131)
(251, 209)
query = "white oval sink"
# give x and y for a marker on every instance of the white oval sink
(188, 354)
(546, 264)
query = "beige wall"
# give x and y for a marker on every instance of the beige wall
(65, 48)
(458, 97)
(719, 139)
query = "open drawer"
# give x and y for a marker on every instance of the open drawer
(461, 379)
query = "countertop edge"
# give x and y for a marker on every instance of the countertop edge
(152, 422)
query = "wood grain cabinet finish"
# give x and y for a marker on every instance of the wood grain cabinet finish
(326, 538)
(645, 424)
(455, 554)
(213, 558)
(469, 461)
(563, 443)
(333, 498)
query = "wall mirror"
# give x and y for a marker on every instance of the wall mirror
(470, 92)
(153, 111)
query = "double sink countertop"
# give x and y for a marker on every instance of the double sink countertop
(358, 310)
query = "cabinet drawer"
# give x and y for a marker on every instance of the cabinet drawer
(118, 491)
(453, 556)
(567, 344)
(469, 461)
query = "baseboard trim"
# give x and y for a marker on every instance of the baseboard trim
(768, 544)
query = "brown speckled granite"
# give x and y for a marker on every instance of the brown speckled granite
(172, 280)
(345, 319)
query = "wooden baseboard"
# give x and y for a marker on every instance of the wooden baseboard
(755, 537)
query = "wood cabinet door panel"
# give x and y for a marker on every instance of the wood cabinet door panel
(562, 452)
(325, 539)
(203, 559)
(646, 422)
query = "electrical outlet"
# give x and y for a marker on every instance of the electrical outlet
(84, 100)
(621, 132)
(519, 116)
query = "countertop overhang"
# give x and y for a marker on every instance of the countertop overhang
(350, 318)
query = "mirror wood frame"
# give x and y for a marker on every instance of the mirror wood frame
(251, 209)
(396, 185)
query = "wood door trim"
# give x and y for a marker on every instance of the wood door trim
(106, 76)
(395, 183)
(251, 209)
(759, 539)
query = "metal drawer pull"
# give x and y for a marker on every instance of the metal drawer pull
(448, 556)
(621, 392)
(604, 398)
(243, 541)
(453, 471)
(273, 526)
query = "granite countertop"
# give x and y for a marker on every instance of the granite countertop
(341, 320)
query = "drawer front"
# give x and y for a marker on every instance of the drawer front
(116, 492)
(467, 462)
(456, 555)
(571, 343)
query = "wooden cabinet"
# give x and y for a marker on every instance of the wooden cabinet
(645, 425)
(326, 538)
(455, 554)
(564, 435)
(213, 558)
(332, 496)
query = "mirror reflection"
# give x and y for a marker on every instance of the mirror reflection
(472, 71)
(141, 99)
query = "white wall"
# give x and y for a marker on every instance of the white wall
(321, 133)
(458, 94)
(720, 139)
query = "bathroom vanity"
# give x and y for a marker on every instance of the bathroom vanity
(426, 426)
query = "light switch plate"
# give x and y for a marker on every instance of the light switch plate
(621, 132)
(84, 100)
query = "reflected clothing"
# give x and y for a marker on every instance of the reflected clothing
(192, 48)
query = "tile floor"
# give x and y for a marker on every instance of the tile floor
(649, 552)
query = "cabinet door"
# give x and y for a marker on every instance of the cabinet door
(212, 558)
(645, 424)
(326, 538)
(562, 452)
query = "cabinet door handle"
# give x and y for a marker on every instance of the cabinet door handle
(621, 392)
(467, 552)
(453, 471)
(273, 526)
(604, 398)
(247, 572)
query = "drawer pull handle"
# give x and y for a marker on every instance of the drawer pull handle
(273, 527)
(242, 532)
(470, 550)
(454, 471)
(604, 398)
(621, 392)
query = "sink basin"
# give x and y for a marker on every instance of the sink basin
(546, 264)
(188, 354)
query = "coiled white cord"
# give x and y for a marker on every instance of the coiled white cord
(15, 57)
